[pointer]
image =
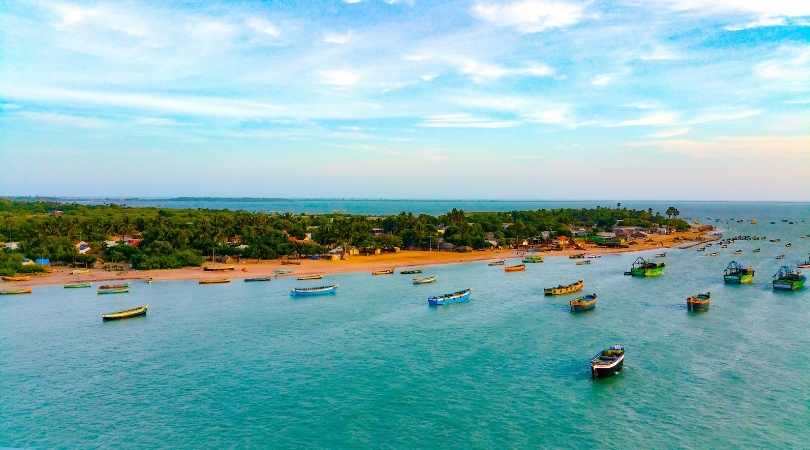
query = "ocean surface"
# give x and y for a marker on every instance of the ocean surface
(246, 365)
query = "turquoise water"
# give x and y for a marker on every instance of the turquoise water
(245, 365)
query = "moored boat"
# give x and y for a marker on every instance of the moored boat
(499, 262)
(383, 272)
(446, 299)
(643, 268)
(532, 259)
(410, 272)
(584, 262)
(126, 314)
(257, 279)
(215, 281)
(780, 257)
(113, 286)
(576, 256)
(424, 280)
(737, 274)
(699, 302)
(122, 290)
(594, 256)
(585, 303)
(607, 362)
(310, 291)
(661, 255)
(17, 278)
(315, 276)
(788, 279)
(805, 264)
(564, 289)
(77, 285)
(16, 291)
(756, 250)
(515, 268)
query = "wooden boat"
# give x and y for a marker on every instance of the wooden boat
(410, 272)
(278, 272)
(594, 256)
(788, 244)
(256, 279)
(643, 268)
(737, 274)
(756, 250)
(699, 302)
(215, 281)
(126, 314)
(805, 264)
(607, 362)
(738, 252)
(149, 280)
(714, 254)
(754, 221)
(515, 268)
(446, 299)
(780, 257)
(79, 271)
(383, 272)
(583, 263)
(311, 291)
(288, 262)
(497, 263)
(113, 286)
(316, 276)
(577, 256)
(788, 280)
(661, 255)
(17, 278)
(425, 280)
(122, 290)
(218, 268)
(585, 303)
(532, 259)
(16, 291)
(565, 289)
(77, 285)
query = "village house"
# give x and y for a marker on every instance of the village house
(82, 247)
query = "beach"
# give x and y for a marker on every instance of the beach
(401, 259)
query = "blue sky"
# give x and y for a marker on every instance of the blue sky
(559, 99)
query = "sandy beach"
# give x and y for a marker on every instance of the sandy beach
(402, 259)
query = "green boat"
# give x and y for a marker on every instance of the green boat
(737, 274)
(788, 279)
(530, 259)
(77, 285)
(122, 290)
(643, 268)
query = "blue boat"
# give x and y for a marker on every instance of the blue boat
(309, 291)
(446, 299)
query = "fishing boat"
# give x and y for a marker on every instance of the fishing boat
(215, 281)
(780, 256)
(424, 280)
(788, 244)
(805, 264)
(278, 272)
(290, 262)
(737, 274)
(257, 279)
(16, 291)
(383, 272)
(149, 280)
(699, 302)
(788, 279)
(80, 271)
(310, 291)
(315, 276)
(446, 299)
(714, 254)
(122, 290)
(738, 252)
(410, 272)
(218, 268)
(594, 256)
(643, 268)
(607, 362)
(576, 256)
(126, 314)
(584, 263)
(756, 250)
(77, 285)
(585, 303)
(661, 255)
(17, 278)
(564, 289)
(754, 221)
(113, 286)
(532, 259)
(497, 263)
(515, 268)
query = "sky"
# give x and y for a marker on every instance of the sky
(514, 99)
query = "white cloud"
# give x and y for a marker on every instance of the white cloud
(482, 72)
(602, 79)
(465, 121)
(75, 17)
(792, 64)
(64, 119)
(656, 119)
(352, 2)
(660, 53)
(557, 115)
(758, 23)
(337, 38)
(340, 78)
(531, 16)
(766, 13)
(724, 116)
(263, 27)
(428, 77)
(670, 133)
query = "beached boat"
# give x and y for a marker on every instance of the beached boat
(218, 268)
(607, 362)
(577, 256)
(310, 291)
(788, 279)
(699, 302)
(383, 272)
(290, 262)
(316, 276)
(585, 303)
(257, 279)
(215, 281)
(80, 271)
(424, 280)
(737, 274)
(497, 263)
(532, 259)
(17, 278)
(122, 290)
(278, 272)
(583, 263)
(126, 314)
(16, 291)
(446, 299)
(410, 272)
(515, 268)
(113, 286)
(564, 289)
(643, 268)
(77, 285)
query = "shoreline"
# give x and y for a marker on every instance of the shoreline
(355, 264)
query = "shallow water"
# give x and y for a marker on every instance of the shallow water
(244, 364)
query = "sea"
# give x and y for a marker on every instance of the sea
(245, 365)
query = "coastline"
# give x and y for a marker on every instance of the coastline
(355, 264)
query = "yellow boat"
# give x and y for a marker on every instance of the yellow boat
(16, 291)
(215, 281)
(310, 277)
(515, 268)
(17, 278)
(565, 289)
(79, 271)
(218, 268)
(126, 314)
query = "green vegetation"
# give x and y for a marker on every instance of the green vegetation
(170, 238)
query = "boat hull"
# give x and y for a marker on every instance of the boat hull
(604, 372)
(440, 301)
(518, 268)
(565, 290)
(126, 314)
(738, 279)
(328, 290)
(647, 273)
(254, 280)
(580, 307)
(788, 285)
(113, 291)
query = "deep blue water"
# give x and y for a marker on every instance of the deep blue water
(246, 365)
